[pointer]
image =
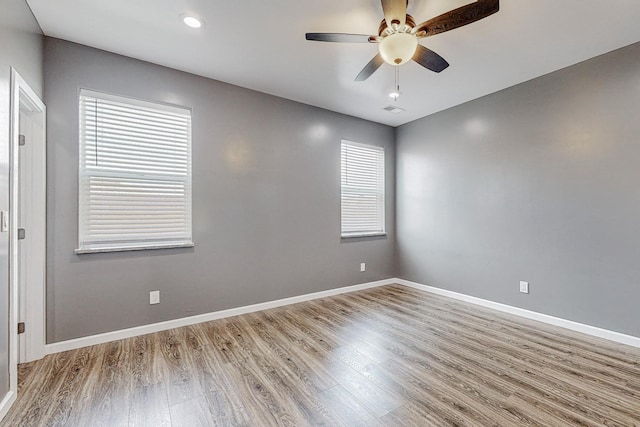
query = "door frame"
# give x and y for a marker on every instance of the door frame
(23, 98)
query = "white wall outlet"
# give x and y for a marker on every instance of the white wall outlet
(363, 266)
(524, 287)
(154, 297)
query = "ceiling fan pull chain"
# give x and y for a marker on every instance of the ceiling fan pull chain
(395, 93)
(397, 80)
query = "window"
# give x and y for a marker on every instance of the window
(362, 183)
(135, 174)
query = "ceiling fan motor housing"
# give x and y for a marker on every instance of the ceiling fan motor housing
(410, 22)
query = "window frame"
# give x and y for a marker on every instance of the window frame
(381, 184)
(87, 246)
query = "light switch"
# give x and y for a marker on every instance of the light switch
(4, 221)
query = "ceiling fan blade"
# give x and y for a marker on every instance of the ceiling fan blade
(459, 17)
(429, 59)
(370, 68)
(395, 11)
(339, 37)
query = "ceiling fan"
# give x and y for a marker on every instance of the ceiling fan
(398, 34)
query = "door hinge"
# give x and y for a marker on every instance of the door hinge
(21, 233)
(21, 328)
(21, 140)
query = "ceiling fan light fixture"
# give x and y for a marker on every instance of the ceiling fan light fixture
(192, 21)
(398, 48)
(398, 34)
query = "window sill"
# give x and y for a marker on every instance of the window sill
(355, 236)
(133, 248)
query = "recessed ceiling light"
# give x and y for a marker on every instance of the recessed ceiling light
(192, 21)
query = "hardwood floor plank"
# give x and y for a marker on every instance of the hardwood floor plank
(390, 355)
(191, 413)
(349, 409)
(223, 346)
(225, 405)
(79, 374)
(410, 415)
(38, 387)
(355, 335)
(275, 341)
(181, 383)
(109, 390)
(294, 395)
(149, 405)
(258, 380)
(423, 395)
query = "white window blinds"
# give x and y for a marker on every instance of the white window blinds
(135, 174)
(362, 183)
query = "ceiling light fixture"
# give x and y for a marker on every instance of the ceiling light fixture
(192, 21)
(398, 48)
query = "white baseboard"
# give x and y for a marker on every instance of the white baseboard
(185, 321)
(6, 403)
(556, 321)
(192, 320)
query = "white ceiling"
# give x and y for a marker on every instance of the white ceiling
(260, 45)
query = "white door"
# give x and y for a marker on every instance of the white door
(26, 261)
(31, 248)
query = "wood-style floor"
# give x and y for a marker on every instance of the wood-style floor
(385, 356)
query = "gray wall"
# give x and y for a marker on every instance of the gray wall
(539, 182)
(266, 201)
(20, 48)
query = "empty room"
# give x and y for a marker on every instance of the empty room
(337, 213)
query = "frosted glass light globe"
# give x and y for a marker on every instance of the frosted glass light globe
(398, 48)
(395, 94)
(192, 21)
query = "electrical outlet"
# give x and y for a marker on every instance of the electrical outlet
(154, 297)
(363, 266)
(524, 287)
